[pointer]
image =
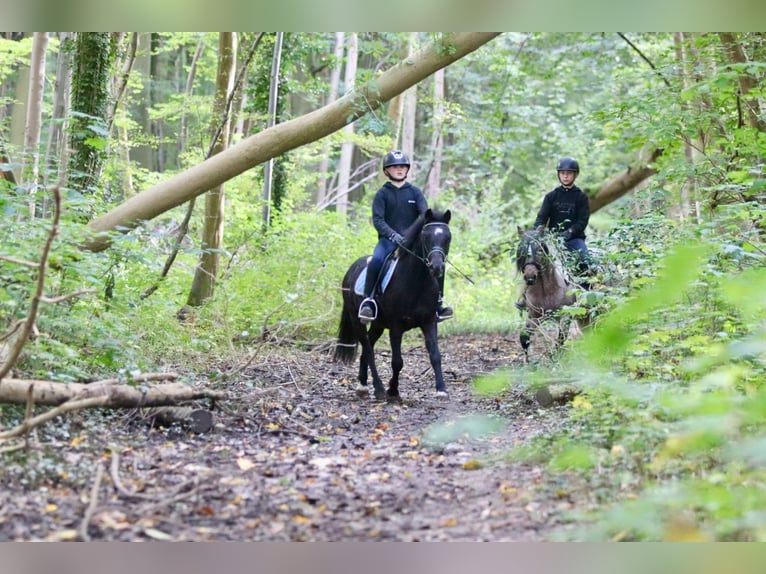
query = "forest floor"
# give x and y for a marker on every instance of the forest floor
(299, 457)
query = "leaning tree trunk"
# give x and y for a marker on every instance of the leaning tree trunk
(284, 137)
(206, 272)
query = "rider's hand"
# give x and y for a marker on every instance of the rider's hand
(397, 238)
(567, 235)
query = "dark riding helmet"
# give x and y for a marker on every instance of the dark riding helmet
(396, 157)
(568, 164)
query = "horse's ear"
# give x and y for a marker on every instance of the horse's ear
(447, 216)
(429, 215)
(520, 230)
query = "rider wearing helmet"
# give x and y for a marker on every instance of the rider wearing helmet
(396, 206)
(566, 211)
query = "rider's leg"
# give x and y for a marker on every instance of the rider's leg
(443, 313)
(368, 309)
(577, 245)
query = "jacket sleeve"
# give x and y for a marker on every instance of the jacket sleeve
(379, 215)
(582, 215)
(545, 211)
(421, 203)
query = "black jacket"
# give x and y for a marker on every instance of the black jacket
(394, 209)
(565, 209)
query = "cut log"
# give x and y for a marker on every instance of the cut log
(113, 394)
(197, 421)
(546, 396)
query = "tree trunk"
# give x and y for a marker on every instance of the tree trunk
(56, 153)
(33, 126)
(437, 139)
(747, 83)
(110, 393)
(90, 101)
(347, 149)
(409, 114)
(188, 89)
(618, 186)
(272, 113)
(284, 137)
(206, 272)
(331, 97)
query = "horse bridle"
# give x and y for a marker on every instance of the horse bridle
(433, 249)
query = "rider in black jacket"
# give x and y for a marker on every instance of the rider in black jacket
(566, 211)
(395, 207)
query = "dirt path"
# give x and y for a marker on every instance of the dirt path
(306, 461)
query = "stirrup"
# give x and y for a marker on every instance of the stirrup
(444, 314)
(368, 310)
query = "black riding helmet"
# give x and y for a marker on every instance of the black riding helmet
(568, 164)
(396, 157)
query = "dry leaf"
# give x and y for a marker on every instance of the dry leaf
(245, 463)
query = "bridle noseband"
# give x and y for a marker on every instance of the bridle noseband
(434, 248)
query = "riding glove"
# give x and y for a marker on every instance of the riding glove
(397, 238)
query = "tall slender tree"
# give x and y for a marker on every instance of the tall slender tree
(206, 272)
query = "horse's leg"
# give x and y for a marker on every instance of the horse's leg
(525, 336)
(564, 325)
(430, 333)
(397, 363)
(367, 360)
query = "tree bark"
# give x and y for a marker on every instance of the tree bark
(624, 182)
(272, 120)
(57, 153)
(33, 125)
(206, 273)
(409, 114)
(347, 148)
(437, 138)
(747, 83)
(90, 99)
(108, 393)
(331, 97)
(284, 137)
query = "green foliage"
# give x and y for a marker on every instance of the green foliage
(673, 389)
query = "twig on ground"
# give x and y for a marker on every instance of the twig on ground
(83, 530)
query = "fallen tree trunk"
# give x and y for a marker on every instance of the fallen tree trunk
(110, 394)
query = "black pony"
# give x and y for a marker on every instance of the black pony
(410, 300)
(547, 287)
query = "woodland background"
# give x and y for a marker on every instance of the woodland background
(110, 268)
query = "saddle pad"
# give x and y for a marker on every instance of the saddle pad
(388, 271)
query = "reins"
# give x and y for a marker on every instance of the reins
(425, 259)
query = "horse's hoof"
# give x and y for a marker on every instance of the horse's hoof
(442, 394)
(394, 398)
(380, 395)
(362, 392)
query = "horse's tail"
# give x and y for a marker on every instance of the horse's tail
(345, 348)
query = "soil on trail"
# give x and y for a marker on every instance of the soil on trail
(298, 457)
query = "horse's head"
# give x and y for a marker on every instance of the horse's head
(435, 237)
(532, 255)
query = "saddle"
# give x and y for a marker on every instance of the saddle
(389, 265)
